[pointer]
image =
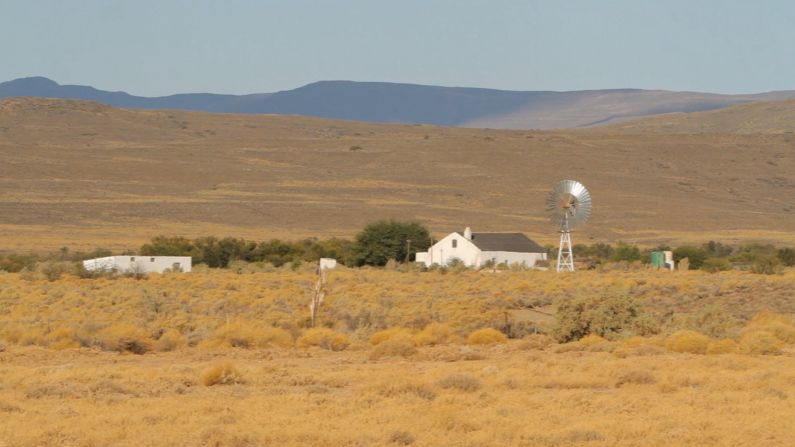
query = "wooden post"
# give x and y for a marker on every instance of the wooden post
(317, 296)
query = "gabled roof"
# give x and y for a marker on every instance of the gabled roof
(513, 242)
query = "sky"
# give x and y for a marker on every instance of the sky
(161, 47)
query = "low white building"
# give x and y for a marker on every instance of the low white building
(139, 264)
(477, 249)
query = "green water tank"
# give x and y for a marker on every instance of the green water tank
(658, 259)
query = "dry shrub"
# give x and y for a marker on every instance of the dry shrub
(324, 338)
(591, 340)
(640, 351)
(171, 340)
(636, 377)
(400, 345)
(63, 338)
(536, 341)
(779, 325)
(760, 342)
(245, 335)
(401, 437)
(691, 342)
(766, 317)
(461, 382)
(402, 388)
(386, 334)
(724, 346)
(125, 338)
(222, 374)
(634, 342)
(581, 436)
(486, 336)
(435, 334)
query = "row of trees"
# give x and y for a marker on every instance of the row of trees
(709, 256)
(376, 244)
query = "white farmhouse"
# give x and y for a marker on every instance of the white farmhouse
(477, 249)
(139, 264)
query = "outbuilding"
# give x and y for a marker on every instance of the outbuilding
(478, 249)
(139, 264)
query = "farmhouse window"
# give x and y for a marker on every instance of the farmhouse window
(151, 259)
(455, 243)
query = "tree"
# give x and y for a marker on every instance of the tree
(695, 255)
(786, 256)
(388, 239)
(168, 246)
(627, 252)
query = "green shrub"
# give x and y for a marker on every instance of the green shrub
(786, 256)
(381, 241)
(714, 265)
(605, 315)
(766, 265)
(696, 256)
(626, 252)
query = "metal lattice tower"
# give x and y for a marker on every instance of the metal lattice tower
(569, 204)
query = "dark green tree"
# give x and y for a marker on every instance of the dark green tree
(786, 256)
(168, 246)
(696, 256)
(387, 239)
(627, 252)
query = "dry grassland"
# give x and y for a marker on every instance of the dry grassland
(402, 359)
(449, 395)
(83, 175)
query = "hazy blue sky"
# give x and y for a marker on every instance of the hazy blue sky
(237, 46)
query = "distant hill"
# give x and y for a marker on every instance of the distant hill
(759, 117)
(82, 174)
(382, 102)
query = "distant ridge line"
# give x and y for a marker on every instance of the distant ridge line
(385, 102)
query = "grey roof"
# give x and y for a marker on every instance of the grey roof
(514, 242)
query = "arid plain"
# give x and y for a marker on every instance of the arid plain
(84, 175)
(401, 357)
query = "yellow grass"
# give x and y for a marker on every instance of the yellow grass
(297, 398)
(389, 364)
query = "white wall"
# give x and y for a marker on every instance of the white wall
(509, 257)
(137, 263)
(443, 251)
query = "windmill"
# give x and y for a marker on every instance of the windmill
(568, 205)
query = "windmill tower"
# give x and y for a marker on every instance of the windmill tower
(568, 205)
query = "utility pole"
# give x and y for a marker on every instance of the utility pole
(408, 250)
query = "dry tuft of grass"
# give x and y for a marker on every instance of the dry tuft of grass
(486, 336)
(759, 342)
(171, 340)
(387, 334)
(461, 382)
(635, 377)
(435, 334)
(125, 338)
(723, 346)
(400, 345)
(222, 374)
(686, 341)
(324, 338)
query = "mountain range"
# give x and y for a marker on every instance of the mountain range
(382, 102)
